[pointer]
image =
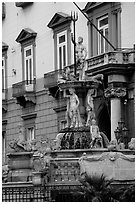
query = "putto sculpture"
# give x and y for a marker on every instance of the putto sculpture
(95, 135)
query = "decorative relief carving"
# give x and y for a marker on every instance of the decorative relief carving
(114, 165)
(112, 156)
(115, 92)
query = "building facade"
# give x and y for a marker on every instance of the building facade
(36, 46)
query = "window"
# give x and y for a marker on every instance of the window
(3, 147)
(28, 64)
(103, 27)
(62, 49)
(3, 75)
(27, 40)
(61, 23)
(30, 134)
(106, 16)
(29, 125)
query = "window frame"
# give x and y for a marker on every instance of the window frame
(4, 57)
(100, 37)
(3, 75)
(25, 46)
(28, 78)
(3, 147)
(113, 10)
(61, 45)
(29, 137)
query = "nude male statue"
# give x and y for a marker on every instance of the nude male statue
(72, 113)
(81, 54)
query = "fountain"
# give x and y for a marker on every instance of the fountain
(80, 93)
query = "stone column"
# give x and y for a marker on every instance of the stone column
(115, 95)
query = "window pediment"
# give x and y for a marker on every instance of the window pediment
(58, 19)
(25, 34)
(91, 5)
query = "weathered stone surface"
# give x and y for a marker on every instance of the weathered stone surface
(114, 165)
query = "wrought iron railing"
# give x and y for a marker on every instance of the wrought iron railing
(22, 87)
(24, 193)
(27, 192)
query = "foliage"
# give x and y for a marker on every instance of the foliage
(99, 189)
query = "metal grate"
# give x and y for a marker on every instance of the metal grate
(25, 194)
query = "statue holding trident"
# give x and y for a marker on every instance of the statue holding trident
(81, 54)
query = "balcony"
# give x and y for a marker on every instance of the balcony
(3, 10)
(23, 4)
(24, 91)
(102, 62)
(115, 61)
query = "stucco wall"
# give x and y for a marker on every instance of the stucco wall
(45, 121)
(35, 16)
(128, 24)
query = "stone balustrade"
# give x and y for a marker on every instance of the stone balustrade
(114, 57)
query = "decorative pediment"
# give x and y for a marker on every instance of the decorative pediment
(26, 34)
(58, 19)
(91, 5)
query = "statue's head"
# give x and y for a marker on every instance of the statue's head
(71, 90)
(93, 122)
(80, 39)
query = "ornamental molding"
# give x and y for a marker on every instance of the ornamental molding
(115, 92)
(112, 156)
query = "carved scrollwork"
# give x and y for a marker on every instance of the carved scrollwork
(115, 92)
(112, 156)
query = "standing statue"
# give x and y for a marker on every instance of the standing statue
(95, 135)
(81, 54)
(72, 113)
(90, 106)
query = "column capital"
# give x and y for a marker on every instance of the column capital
(115, 92)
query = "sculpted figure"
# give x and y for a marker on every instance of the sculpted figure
(95, 135)
(90, 106)
(21, 136)
(66, 75)
(131, 144)
(72, 113)
(81, 54)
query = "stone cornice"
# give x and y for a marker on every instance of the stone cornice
(115, 92)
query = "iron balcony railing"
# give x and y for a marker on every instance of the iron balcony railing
(121, 56)
(23, 87)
